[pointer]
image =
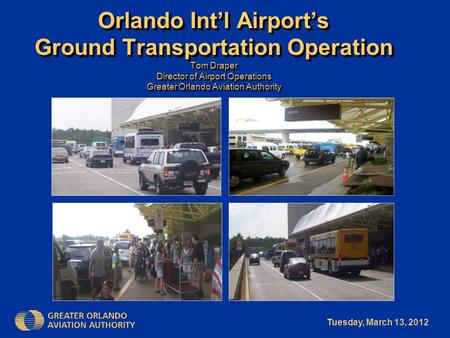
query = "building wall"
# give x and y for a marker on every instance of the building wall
(296, 211)
(121, 110)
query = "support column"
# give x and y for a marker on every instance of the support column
(285, 136)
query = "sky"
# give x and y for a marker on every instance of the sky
(258, 219)
(82, 113)
(100, 219)
(258, 113)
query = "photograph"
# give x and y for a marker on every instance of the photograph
(136, 146)
(311, 146)
(137, 252)
(311, 252)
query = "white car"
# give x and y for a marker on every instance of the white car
(270, 147)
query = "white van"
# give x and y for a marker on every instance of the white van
(270, 147)
(138, 146)
(100, 145)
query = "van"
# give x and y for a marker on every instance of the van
(65, 277)
(100, 145)
(139, 145)
(270, 147)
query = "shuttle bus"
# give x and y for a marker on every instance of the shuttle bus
(138, 146)
(344, 250)
(118, 145)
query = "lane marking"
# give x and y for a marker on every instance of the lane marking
(300, 286)
(125, 287)
(286, 179)
(113, 180)
(363, 287)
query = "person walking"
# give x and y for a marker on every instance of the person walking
(97, 268)
(198, 262)
(159, 267)
(117, 269)
(186, 257)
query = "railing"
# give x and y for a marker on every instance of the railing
(237, 275)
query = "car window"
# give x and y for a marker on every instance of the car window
(122, 245)
(147, 142)
(185, 155)
(266, 156)
(265, 148)
(249, 155)
(79, 253)
(156, 160)
(161, 158)
(151, 157)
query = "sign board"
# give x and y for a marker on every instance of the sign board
(159, 219)
(367, 138)
(313, 113)
(186, 126)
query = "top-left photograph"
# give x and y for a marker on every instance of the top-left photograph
(136, 146)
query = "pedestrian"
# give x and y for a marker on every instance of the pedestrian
(216, 286)
(105, 293)
(176, 252)
(198, 262)
(97, 268)
(186, 257)
(159, 267)
(117, 269)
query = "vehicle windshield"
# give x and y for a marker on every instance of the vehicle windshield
(254, 255)
(122, 245)
(78, 252)
(297, 260)
(148, 142)
(192, 146)
(59, 150)
(288, 255)
(186, 155)
(100, 153)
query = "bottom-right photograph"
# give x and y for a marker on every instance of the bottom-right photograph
(311, 251)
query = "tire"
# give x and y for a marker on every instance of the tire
(124, 159)
(308, 276)
(142, 183)
(306, 163)
(68, 291)
(333, 160)
(355, 273)
(67, 161)
(200, 189)
(282, 171)
(330, 269)
(235, 180)
(111, 165)
(159, 188)
(87, 164)
(283, 156)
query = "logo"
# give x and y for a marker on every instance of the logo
(29, 320)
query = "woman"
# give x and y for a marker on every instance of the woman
(186, 257)
(105, 293)
(159, 264)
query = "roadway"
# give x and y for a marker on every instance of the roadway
(299, 180)
(268, 283)
(75, 179)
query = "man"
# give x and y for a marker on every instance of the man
(198, 266)
(97, 268)
(176, 251)
(117, 268)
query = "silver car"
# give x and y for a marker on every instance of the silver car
(60, 155)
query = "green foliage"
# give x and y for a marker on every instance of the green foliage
(79, 135)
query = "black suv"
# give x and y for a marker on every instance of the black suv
(318, 156)
(252, 163)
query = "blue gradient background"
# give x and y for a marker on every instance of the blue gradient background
(416, 77)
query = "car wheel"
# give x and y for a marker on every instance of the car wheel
(234, 180)
(330, 269)
(124, 159)
(87, 164)
(355, 273)
(159, 188)
(142, 183)
(283, 156)
(200, 189)
(306, 163)
(282, 171)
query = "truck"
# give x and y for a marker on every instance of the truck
(335, 148)
(213, 157)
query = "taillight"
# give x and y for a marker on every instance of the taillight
(166, 172)
(339, 258)
(208, 172)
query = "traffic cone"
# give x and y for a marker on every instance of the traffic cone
(345, 175)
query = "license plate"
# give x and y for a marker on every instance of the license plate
(102, 161)
(201, 181)
(188, 182)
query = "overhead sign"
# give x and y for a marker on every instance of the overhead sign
(186, 126)
(313, 113)
(363, 137)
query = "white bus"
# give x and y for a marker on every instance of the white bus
(139, 145)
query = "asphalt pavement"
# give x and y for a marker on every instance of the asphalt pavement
(268, 283)
(299, 179)
(75, 179)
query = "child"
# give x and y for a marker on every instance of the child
(105, 293)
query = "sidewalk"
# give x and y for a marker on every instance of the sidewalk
(384, 268)
(330, 188)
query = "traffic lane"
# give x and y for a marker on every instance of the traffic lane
(74, 178)
(370, 285)
(301, 180)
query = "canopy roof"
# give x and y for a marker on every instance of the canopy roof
(191, 212)
(165, 113)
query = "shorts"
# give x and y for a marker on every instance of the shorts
(96, 283)
(159, 273)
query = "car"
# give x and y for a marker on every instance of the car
(284, 258)
(276, 258)
(261, 254)
(84, 151)
(99, 158)
(297, 267)
(213, 157)
(112, 241)
(124, 248)
(269, 254)
(60, 155)
(65, 275)
(253, 163)
(79, 258)
(318, 156)
(175, 168)
(253, 259)
(266, 146)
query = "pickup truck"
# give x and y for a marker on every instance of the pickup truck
(213, 158)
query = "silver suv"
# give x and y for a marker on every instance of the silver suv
(175, 168)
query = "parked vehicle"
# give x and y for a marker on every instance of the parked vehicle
(287, 148)
(139, 145)
(65, 275)
(99, 158)
(253, 259)
(79, 147)
(298, 152)
(213, 157)
(79, 258)
(261, 254)
(270, 147)
(60, 155)
(276, 258)
(112, 241)
(179, 169)
(269, 254)
(284, 258)
(124, 248)
(247, 163)
(118, 146)
(297, 267)
(335, 148)
(318, 156)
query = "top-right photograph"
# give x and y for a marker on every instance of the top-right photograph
(311, 146)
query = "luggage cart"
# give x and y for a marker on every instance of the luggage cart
(181, 282)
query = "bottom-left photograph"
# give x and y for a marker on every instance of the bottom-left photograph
(137, 251)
